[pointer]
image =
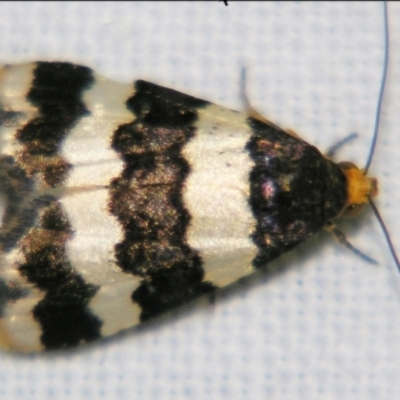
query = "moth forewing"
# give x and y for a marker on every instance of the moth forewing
(124, 201)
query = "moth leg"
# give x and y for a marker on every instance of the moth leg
(334, 148)
(341, 238)
(252, 112)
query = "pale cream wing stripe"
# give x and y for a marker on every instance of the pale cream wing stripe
(96, 231)
(18, 329)
(15, 82)
(216, 195)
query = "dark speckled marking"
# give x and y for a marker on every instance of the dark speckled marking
(295, 190)
(41, 228)
(56, 92)
(147, 199)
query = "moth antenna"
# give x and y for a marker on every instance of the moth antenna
(243, 88)
(386, 234)
(341, 238)
(376, 131)
(382, 88)
(251, 111)
(334, 148)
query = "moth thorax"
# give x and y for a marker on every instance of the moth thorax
(359, 186)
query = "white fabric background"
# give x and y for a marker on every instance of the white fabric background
(328, 327)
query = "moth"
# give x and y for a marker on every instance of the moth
(124, 201)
